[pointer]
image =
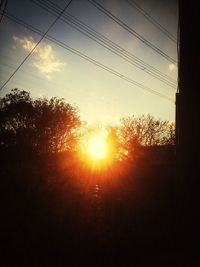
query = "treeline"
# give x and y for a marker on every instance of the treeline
(50, 126)
(56, 211)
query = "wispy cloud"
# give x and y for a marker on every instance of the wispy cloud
(44, 59)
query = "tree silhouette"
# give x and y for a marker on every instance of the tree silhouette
(52, 200)
(113, 143)
(144, 130)
(41, 125)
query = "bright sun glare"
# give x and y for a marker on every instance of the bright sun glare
(97, 147)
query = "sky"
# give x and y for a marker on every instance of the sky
(91, 60)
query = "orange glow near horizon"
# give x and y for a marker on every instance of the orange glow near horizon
(99, 155)
(97, 147)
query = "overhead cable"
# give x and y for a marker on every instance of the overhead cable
(132, 31)
(36, 45)
(91, 60)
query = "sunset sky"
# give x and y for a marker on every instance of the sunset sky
(100, 95)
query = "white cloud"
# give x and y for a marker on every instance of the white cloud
(44, 59)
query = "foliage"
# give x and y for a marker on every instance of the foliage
(53, 206)
(40, 125)
(145, 131)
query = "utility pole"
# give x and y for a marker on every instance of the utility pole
(187, 120)
(187, 101)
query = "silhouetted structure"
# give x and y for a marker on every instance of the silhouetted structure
(187, 98)
(187, 124)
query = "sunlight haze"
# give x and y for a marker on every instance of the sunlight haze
(99, 94)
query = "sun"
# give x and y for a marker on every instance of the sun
(97, 147)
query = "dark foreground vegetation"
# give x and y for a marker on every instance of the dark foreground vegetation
(56, 211)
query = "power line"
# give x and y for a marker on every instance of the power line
(152, 20)
(32, 75)
(107, 43)
(3, 5)
(132, 31)
(23, 71)
(113, 47)
(91, 60)
(36, 45)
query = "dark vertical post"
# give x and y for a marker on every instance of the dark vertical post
(177, 121)
(189, 75)
(188, 186)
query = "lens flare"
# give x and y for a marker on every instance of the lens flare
(97, 147)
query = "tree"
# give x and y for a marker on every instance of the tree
(145, 131)
(16, 119)
(56, 123)
(114, 146)
(169, 137)
(41, 125)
